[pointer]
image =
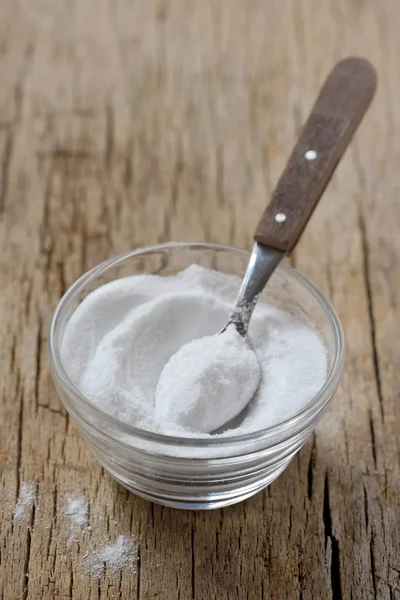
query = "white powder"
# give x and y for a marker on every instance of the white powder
(112, 556)
(121, 336)
(208, 382)
(77, 511)
(26, 499)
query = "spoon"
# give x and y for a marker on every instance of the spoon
(339, 108)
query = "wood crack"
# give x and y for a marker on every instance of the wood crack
(67, 155)
(176, 179)
(71, 583)
(39, 342)
(5, 167)
(373, 440)
(109, 143)
(366, 509)
(232, 230)
(367, 281)
(61, 277)
(327, 512)
(20, 430)
(52, 410)
(372, 559)
(300, 576)
(9, 146)
(12, 353)
(28, 297)
(28, 552)
(311, 467)
(128, 169)
(335, 571)
(138, 572)
(219, 183)
(336, 585)
(193, 563)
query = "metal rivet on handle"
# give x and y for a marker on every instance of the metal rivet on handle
(280, 217)
(310, 155)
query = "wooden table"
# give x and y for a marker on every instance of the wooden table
(123, 123)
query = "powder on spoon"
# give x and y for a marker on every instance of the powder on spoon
(208, 381)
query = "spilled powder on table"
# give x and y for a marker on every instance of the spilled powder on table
(26, 499)
(112, 556)
(77, 511)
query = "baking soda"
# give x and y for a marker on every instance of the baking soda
(112, 556)
(119, 339)
(26, 499)
(76, 509)
(208, 382)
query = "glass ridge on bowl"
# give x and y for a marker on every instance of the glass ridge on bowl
(188, 472)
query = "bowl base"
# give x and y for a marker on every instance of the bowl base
(212, 502)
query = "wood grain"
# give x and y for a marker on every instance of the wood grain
(123, 123)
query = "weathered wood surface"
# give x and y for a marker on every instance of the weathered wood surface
(123, 123)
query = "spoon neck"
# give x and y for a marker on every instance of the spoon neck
(263, 262)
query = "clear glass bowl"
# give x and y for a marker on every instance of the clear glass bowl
(186, 472)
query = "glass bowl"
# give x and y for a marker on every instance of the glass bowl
(198, 473)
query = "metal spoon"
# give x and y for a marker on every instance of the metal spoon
(339, 108)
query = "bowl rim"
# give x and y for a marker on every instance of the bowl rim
(297, 421)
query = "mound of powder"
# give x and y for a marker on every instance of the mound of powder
(208, 382)
(77, 511)
(119, 339)
(26, 499)
(113, 556)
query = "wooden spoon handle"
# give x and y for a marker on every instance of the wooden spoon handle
(340, 106)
